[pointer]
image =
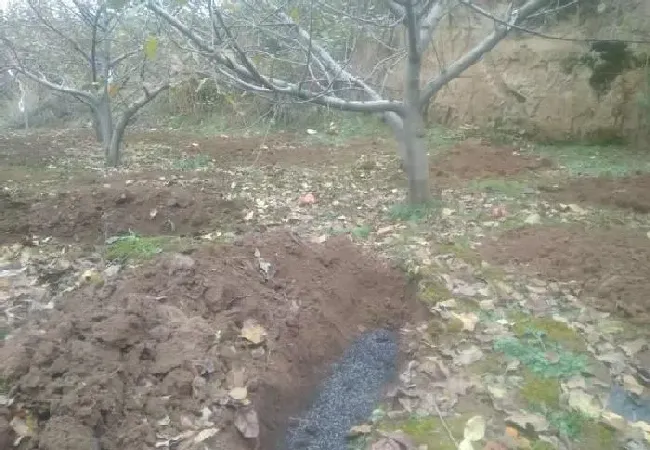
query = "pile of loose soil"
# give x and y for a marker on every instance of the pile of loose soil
(612, 265)
(472, 159)
(155, 355)
(96, 213)
(626, 193)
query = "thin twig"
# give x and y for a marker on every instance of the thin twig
(444, 423)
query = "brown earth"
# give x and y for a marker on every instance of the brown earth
(612, 266)
(144, 358)
(474, 159)
(285, 149)
(96, 212)
(626, 193)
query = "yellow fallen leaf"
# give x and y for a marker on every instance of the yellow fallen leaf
(253, 332)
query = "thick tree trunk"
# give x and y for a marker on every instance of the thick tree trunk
(417, 158)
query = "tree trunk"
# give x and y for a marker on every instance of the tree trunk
(113, 153)
(417, 159)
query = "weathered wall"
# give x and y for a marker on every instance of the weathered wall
(537, 86)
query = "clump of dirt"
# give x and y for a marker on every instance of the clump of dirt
(99, 212)
(473, 159)
(611, 265)
(626, 193)
(153, 357)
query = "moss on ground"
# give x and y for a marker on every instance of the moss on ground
(430, 430)
(555, 331)
(538, 391)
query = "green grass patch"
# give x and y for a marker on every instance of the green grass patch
(555, 331)
(501, 187)
(138, 248)
(541, 356)
(192, 163)
(540, 391)
(413, 213)
(430, 431)
(595, 160)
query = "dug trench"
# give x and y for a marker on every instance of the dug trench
(192, 349)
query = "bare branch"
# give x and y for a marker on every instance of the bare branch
(475, 54)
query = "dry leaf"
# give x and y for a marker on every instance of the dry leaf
(475, 428)
(253, 332)
(206, 434)
(512, 432)
(307, 199)
(247, 422)
(465, 444)
(359, 430)
(238, 393)
(493, 445)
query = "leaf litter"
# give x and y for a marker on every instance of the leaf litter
(346, 202)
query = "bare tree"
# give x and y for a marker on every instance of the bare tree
(287, 49)
(91, 52)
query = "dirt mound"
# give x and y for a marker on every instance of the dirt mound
(96, 213)
(473, 159)
(627, 193)
(156, 355)
(613, 266)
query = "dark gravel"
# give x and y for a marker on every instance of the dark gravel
(348, 396)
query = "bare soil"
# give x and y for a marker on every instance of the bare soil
(282, 149)
(611, 266)
(475, 159)
(95, 212)
(631, 193)
(141, 359)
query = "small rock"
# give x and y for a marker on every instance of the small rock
(111, 271)
(469, 355)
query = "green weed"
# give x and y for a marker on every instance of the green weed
(596, 160)
(134, 247)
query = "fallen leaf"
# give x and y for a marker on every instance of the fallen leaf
(512, 432)
(583, 402)
(307, 199)
(630, 384)
(20, 427)
(469, 355)
(206, 434)
(238, 393)
(469, 320)
(253, 331)
(400, 437)
(524, 420)
(475, 428)
(465, 444)
(247, 422)
(360, 430)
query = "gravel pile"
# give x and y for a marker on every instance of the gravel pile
(348, 396)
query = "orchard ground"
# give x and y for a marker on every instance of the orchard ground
(198, 294)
